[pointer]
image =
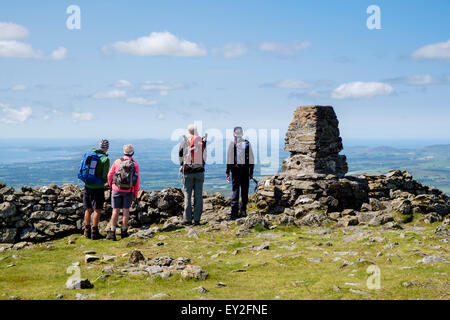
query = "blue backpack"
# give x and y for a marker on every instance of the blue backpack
(86, 171)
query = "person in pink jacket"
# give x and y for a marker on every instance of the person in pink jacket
(123, 178)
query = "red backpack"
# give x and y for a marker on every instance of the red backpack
(194, 154)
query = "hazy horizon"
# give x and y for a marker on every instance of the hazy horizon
(353, 142)
(39, 162)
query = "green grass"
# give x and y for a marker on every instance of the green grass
(40, 273)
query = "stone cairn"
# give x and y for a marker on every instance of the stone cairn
(314, 170)
(314, 143)
(313, 190)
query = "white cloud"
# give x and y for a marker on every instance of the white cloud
(233, 50)
(316, 94)
(161, 116)
(440, 50)
(158, 44)
(122, 84)
(16, 49)
(82, 116)
(284, 48)
(140, 100)
(15, 116)
(415, 80)
(113, 94)
(161, 86)
(361, 90)
(19, 87)
(9, 30)
(59, 54)
(420, 80)
(10, 48)
(292, 84)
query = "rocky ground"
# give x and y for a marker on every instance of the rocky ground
(318, 237)
(250, 258)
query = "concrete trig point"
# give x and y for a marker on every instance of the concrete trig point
(314, 143)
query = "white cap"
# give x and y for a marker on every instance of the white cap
(128, 149)
(192, 129)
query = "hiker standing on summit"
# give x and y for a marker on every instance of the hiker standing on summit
(123, 178)
(240, 162)
(192, 155)
(93, 171)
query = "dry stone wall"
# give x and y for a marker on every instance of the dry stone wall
(50, 212)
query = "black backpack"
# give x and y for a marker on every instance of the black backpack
(126, 176)
(247, 154)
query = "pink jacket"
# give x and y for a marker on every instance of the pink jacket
(114, 169)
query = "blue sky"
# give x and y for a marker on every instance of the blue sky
(140, 69)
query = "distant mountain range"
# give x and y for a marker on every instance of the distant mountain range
(430, 165)
(49, 162)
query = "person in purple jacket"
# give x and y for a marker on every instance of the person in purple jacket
(240, 163)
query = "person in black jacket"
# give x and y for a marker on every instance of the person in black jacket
(240, 162)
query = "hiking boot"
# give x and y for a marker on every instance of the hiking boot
(196, 223)
(124, 234)
(87, 233)
(242, 214)
(96, 235)
(233, 216)
(186, 223)
(111, 235)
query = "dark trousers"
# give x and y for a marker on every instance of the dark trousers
(240, 179)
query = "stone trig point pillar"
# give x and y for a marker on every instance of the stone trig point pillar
(314, 143)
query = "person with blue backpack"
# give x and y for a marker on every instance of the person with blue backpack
(93, 171)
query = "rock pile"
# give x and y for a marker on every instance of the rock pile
(398, 193)
(314, 143)
(156, 206)
(163, 266)
(315, 191)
